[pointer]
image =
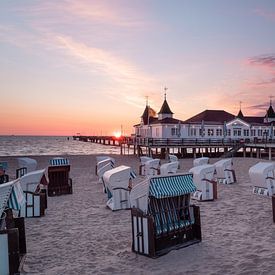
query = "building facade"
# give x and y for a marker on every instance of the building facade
(209, 124)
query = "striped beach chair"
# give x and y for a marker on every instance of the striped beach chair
(118, 183)
(103, 162)
(12, 230)
(262, 176)
(59, 181)
(162, 217)
(3, 176)
(203, 177)
(34, 185)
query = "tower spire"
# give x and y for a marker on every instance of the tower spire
(165, 89)
(147, 100)
(271, 96)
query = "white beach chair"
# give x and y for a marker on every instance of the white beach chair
(29, 163)
(203, 177)
(162, 217)
(169, 168)
(200, 161)
(118, 181)
(142, 165)
(173, 158)
(262, 176)
(100, 172)
(12, 232)
(103, 162)
(224, 171)
(152, 167)
(33, 185)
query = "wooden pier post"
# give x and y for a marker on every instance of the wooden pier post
(273, 207)
(269, 153)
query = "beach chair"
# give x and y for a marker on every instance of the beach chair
(174, 158)
(3, 176)
(12, 230)
(162, 217)
(20, 172)
(33, 185)
(29, 163)
(224, 171)
(152, 167)
(102, 162)
(142, 161)
(103, 169)
(262, 176)
(169, 168)
(200, 161)
(59, 181)
(203, 177)
(118, 182)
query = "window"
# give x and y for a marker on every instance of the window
(260, 132)
(237, 132)
(218, 132)
(253, 132)
(229, 132)
(175, 131)
(246, 132)
(193, 131)
(210, 132)
(157, 132)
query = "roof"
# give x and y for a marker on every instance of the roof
(165, 109)
(270, 112)
(240, 114)
(148, 113)
(211, 116)
(171, 186)
(167, 120)
(253, 119)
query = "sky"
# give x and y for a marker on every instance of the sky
(86, 67)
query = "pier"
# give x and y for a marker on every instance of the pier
(186, 148)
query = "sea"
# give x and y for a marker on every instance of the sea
(51, 145)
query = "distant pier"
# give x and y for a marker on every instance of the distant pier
(186, 148)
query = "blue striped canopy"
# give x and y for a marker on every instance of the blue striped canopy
(171, 186)
(59, 161)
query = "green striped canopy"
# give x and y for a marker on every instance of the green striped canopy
(171, 186)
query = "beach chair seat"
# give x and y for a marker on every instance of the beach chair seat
(262, 176)
(203, 177)
(151, 167)
(200, 161)
(12, 230)
(59, 181)
(103, 161)
(34, 185)
(169, 168)
(224, 171)
(142, 161)
(162, 217)
(118, 182)
(29, 163)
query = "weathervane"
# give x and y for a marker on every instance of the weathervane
(271, 96)
(165, 89)
(147, 100)
(241, 105)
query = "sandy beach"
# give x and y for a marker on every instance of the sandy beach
(79, 235)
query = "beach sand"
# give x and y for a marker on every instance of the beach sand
(79, 235)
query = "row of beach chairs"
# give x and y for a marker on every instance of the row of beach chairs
(26, 197)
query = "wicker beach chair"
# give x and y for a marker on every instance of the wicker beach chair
(33, 185)
(203, 177)
(224, 171)
(59, 181)
(3, 176)
(142, 161)
(162, 217)
(169, 168)
(200, 161)
(151, 167)
(29, 163)
(103, 169)
(12, 230)
(262, 176)
(102, 162)
(118, 182)
(174, 158)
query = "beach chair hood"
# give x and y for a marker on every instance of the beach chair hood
(31, 181)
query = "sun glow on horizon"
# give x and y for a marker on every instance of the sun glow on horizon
(117, 134)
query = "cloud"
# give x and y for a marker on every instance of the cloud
(267, 60)
(266, 14)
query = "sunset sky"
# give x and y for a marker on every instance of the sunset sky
(86, 67)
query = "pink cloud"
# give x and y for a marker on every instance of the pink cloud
(270, 15)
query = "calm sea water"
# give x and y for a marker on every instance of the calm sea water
(50, 145)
